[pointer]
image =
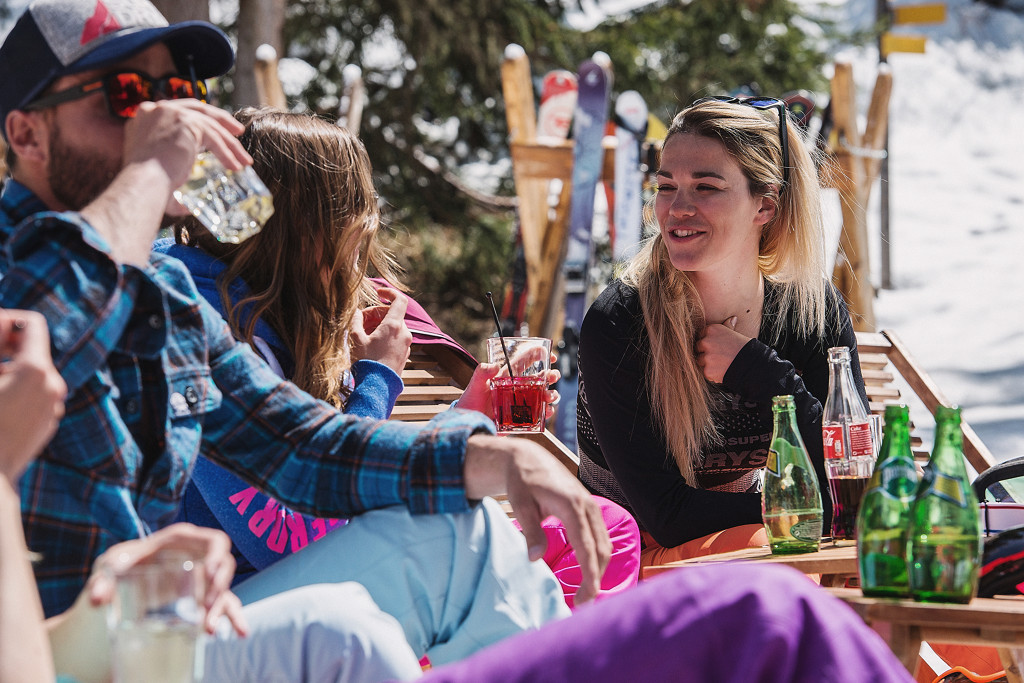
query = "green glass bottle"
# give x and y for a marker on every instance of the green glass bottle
(790, 497)
(945, 531)
(884, 513)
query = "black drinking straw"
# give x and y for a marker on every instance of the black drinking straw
(497, 324)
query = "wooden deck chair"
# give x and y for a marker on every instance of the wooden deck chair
(884, 360)
(435, 376)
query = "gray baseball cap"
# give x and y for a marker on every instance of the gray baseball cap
(55, 38)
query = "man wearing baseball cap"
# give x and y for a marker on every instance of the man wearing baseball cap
(102, 106)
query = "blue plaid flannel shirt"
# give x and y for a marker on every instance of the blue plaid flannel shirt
(155, 379)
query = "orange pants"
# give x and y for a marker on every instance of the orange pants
(734, 538)
(982, 663)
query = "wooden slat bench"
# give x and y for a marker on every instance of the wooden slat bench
(883, 358)
(435, 376)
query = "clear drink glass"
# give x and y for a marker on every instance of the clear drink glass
(155, 621)
(519, 401)
(847, 481)
(233, 205)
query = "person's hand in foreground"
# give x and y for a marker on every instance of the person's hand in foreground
(539, 486)
(32, 392)
(211, 546)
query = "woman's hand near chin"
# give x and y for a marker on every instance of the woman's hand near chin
(717, 348)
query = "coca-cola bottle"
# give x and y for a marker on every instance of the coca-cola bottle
(847, 440)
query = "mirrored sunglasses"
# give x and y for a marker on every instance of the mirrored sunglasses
(126, 90)
(764, 103)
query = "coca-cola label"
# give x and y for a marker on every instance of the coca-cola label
(832, 440)
(860, 440)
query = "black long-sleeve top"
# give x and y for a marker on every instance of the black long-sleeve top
(624, 456)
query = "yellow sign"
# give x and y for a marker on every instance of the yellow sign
(895, 42)
(656, 130)
(919, 14)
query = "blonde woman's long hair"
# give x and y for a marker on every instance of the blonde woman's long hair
(306, 270)
(791, 257)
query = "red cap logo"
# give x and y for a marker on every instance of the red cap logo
(100, 23)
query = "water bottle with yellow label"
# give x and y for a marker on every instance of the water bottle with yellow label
(790, 497)
(884, 516)
(945, 532)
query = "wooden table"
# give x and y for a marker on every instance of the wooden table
(834, 562)
(996, 622)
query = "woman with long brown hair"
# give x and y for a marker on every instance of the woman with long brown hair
(725, 307)
(303, 276)
(296, 292)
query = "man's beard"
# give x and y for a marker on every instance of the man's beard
(76, 179)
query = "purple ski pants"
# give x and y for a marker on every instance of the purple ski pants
(735, 622)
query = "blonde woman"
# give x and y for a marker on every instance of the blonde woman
(726, 307)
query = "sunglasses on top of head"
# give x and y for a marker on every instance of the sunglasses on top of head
(764, 103)
(126, 90)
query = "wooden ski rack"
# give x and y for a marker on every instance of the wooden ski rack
(535, 163)
(852, 166)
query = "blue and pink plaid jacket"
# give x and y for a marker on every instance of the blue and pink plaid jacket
(155, 379)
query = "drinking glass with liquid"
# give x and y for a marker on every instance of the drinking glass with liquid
(155, 621)
(233, 205)
(520, 399)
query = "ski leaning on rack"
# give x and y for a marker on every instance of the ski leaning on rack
(557, 104)
(800, 106)
(630, 130)
(513, 308)
(554, 119)
(594, 87)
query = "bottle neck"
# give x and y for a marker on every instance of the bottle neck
(844, 403)
(896, 440)
(784, 420)
(948, 453)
